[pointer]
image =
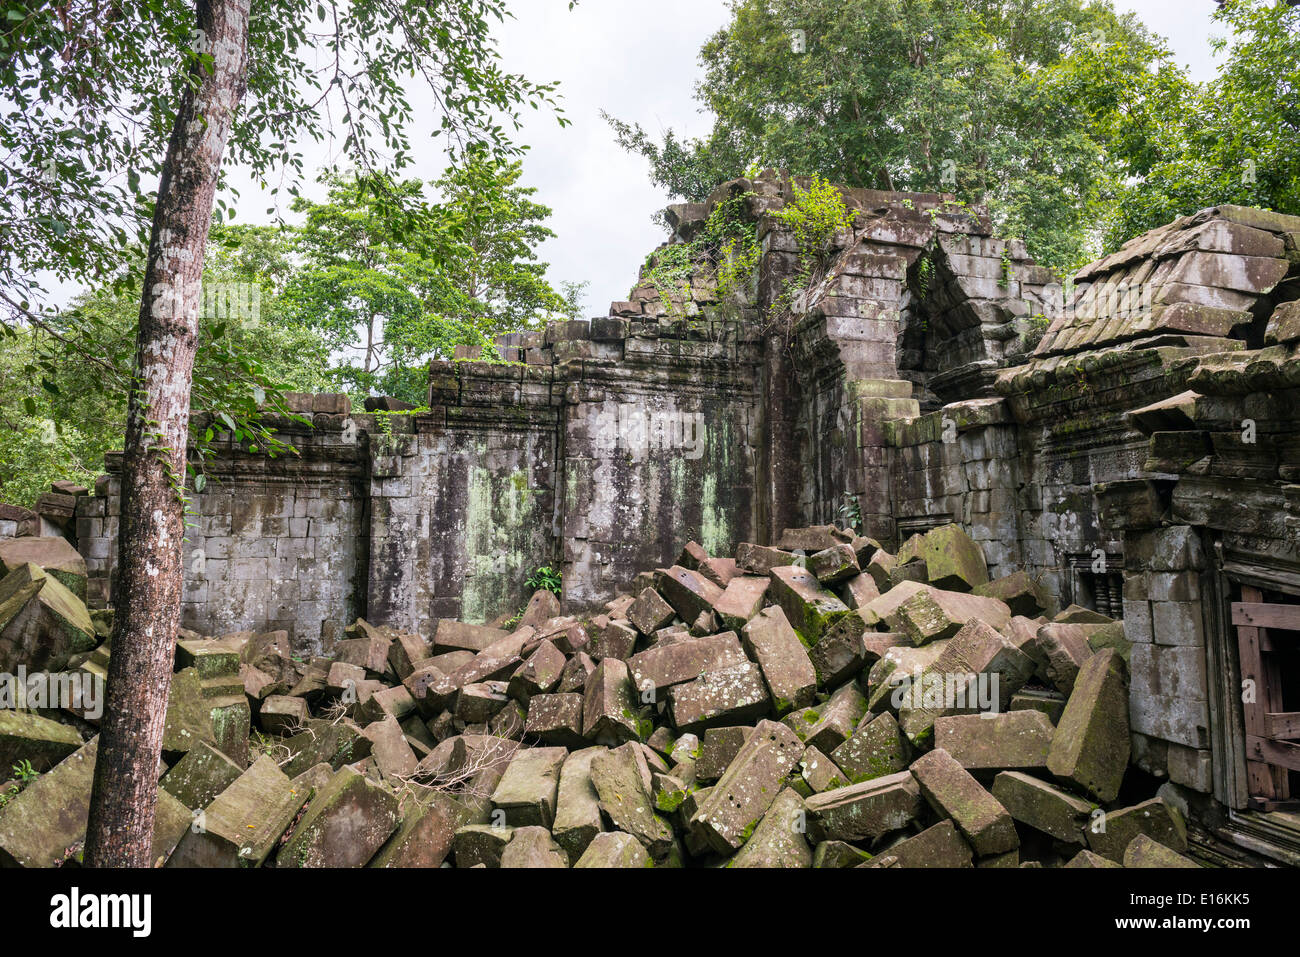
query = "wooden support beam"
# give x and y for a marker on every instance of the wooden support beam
(1280, 754)
(1263, 780)
(1282, 725)
(1262, 615)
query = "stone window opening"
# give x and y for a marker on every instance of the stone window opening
(919, 525)
(1099, 591)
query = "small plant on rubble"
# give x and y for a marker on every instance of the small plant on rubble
(736, 265)
(1036, 328)
(24, 774)
(544, 577)
(851, 513)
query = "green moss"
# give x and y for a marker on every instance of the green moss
(816, 621)
(715, 535)
(878, 765)
(643, 725)
(500, 523)
(669, 801)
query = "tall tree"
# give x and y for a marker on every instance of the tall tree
(244, 338)
(92, 96)
(391, 279)
(369, 258)
(148, 584)
(934, 95)
(498, 228)
(1183, 146)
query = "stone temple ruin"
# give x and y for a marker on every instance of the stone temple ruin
(1113, 467)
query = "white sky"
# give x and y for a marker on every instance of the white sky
(637, 59)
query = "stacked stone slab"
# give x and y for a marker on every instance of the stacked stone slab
(1204, 275)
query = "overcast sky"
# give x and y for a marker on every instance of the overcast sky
(637, 59)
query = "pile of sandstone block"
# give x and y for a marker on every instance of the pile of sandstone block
(44, 620)
(820, 703)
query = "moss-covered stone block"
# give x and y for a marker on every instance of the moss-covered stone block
(347, 821)
(1091, 745)
(202, 774)
(29, 737)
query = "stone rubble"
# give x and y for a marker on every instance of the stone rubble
(774, 711)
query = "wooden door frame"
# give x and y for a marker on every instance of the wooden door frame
(1270, 732)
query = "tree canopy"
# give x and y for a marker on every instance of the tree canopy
(376, 281)
(91, 95)
(1070, 120)
(1235, 139)
(390, 290)
(92, 87)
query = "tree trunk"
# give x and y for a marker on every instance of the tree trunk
(147, 591)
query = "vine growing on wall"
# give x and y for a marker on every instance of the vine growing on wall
(851, 512)
(727, 247)
(384, 417)
(669, 271)
(814, 215)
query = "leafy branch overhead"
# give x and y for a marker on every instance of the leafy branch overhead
(92, 90)
(378, 280)
(91, 117)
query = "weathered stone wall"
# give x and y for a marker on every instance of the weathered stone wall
(1220, 511)
(1151, 438)
(660, 447)
(917, 297)
(612, 445)
(271, 543)
(461, 504)
(962, 464)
